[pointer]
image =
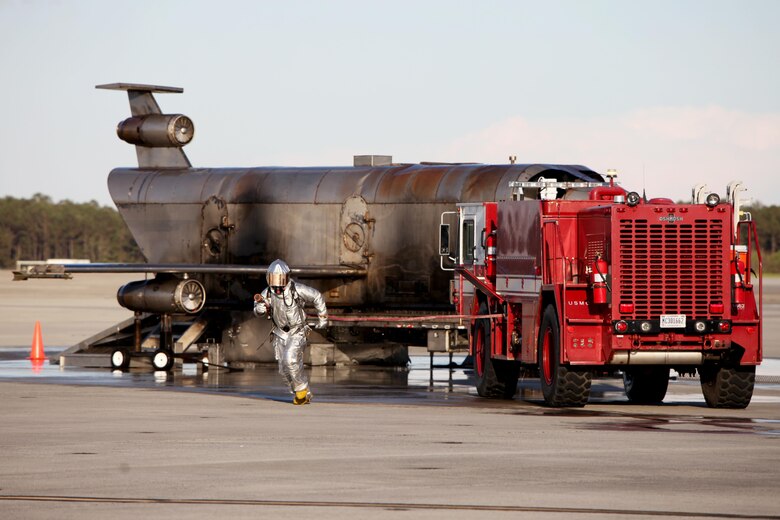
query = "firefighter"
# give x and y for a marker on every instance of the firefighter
(283, 301)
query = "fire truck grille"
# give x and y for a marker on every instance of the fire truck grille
(670, 268)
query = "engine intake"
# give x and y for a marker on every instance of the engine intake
(171, 296)
(157, 130)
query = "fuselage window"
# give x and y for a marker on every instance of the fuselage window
(468, 242)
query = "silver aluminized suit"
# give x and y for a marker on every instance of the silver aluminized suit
(290, 329)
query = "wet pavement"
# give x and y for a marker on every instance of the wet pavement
(417, 384)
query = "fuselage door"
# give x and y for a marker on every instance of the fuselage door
(356, 227)
(215, 231)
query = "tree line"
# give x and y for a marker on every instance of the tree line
(38, 229)
(767, 219)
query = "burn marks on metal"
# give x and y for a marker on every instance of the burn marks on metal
(215, 226)
(375, 216)
(356, 227)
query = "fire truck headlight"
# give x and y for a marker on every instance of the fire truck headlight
(700, 326)
(621, 327)
(645, 326)
(712, 200)
(724, 326)
(632, 199)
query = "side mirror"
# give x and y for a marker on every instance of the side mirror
(444, 240)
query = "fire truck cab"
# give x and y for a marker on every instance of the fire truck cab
(580, 279)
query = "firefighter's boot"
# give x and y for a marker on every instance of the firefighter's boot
(302, 397)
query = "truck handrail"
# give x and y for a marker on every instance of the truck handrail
(542, 184)
(752, 232)
(441, 257)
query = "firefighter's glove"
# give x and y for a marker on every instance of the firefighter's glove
(322, 322)
(260, 308)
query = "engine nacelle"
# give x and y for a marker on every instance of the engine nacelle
(171, 296)
(157, 130)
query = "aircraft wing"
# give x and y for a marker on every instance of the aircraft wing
(65, 271)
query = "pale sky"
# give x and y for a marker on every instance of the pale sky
(669, 93)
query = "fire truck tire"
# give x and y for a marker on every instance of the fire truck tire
(561, 386)
(646, 385)
(496, 379)
(727, 387)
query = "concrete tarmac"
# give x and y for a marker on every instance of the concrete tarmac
(94, 452)
(69, 310)
(379, 444)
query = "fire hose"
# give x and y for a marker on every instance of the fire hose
(259, 298)
(410, 318)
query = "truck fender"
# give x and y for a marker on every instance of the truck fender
(548, 297)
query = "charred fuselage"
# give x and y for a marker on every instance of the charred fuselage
(384, 219)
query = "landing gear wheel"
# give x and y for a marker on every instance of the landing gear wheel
(561, 386)
(162, 360)
(496, 379)
(646, 385)
(727, 387)
(120, 359)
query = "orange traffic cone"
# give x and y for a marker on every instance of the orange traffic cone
(36, 352)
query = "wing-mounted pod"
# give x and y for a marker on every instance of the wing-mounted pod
(158, 137)
(163, 295)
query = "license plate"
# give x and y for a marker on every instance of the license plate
(672, 321)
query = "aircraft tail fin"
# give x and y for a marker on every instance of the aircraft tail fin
(158, 137)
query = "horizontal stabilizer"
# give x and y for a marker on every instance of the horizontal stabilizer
(141, 87)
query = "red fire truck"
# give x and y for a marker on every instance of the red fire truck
(578, 280)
